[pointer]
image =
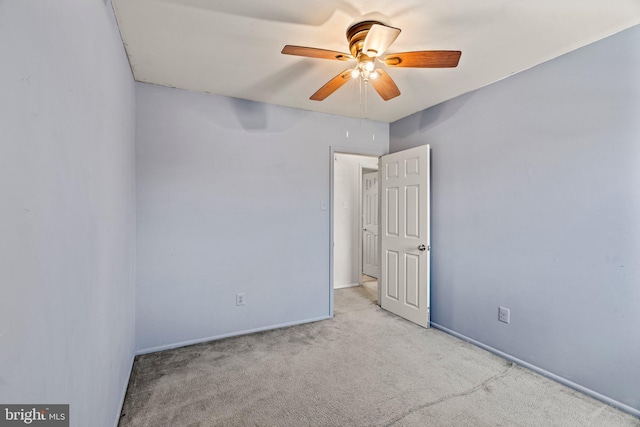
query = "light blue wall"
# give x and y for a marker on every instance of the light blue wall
(228, 201)
(67, 131)
(536, 207)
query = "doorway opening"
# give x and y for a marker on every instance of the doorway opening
(354, 221)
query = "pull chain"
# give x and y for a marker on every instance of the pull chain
(364, 100)
(366, 94)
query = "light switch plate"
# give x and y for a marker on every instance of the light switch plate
(504, 314)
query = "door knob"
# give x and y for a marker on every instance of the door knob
(422, 248)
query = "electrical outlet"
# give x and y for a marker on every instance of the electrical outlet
(240, 298)
(504, 314)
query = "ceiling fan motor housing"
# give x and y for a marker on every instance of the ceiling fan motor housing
(356, 35)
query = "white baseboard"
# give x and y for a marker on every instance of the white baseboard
(557, 378)
(227, 335)
(348, 285)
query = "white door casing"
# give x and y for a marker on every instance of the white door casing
(370, 252)
(405, 235)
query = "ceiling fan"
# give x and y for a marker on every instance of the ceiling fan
(368, 41)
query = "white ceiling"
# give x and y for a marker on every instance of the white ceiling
(232, 47)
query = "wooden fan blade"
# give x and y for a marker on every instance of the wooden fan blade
(424, 59)
(384, 85)
(378, 39)
(312, 52)
(331, 86)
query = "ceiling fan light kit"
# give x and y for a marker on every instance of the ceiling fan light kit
(368, 41)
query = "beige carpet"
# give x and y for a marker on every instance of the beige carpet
(365, 367)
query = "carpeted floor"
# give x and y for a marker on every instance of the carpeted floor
(365, 367)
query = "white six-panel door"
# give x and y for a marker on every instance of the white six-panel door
(370, 252)
(405, 240)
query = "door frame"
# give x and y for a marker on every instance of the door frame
(361, 217)
(333, 151)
